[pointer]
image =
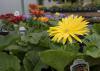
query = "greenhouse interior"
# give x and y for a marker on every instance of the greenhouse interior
(49, 35)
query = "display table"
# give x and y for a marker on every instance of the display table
(93, 14)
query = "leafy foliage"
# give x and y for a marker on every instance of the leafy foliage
(57, 59)
(92, 61)
(9, 62)
(32, 62)
(7, 40)
(35, 51)
(96, 28)
(93, 45)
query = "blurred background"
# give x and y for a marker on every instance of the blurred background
(22, 5)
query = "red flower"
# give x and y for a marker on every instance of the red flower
(37, 12)
(11, 18)
(15, 19)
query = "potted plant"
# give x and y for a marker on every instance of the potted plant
(50, 45)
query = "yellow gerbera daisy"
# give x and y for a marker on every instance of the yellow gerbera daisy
(68, 28)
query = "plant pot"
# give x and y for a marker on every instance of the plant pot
(4, 33)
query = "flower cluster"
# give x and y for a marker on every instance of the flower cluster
(37, 12)
(11, 18)
(41, 19)
(57, 16)
(34, 10)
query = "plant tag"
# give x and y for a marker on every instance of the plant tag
(79, 65)
(16, 13)
(22, 30)
(98, 11)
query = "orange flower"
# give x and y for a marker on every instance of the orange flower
(33, 6)
(46, 19)
(43, 19)
(34, 18)
(37, 12)
(35, 9)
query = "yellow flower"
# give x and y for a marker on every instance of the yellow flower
(69, 28)
(57, 14)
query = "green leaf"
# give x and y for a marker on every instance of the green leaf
(33, 38)
(72, 47)
(45, 40)
(95, 53)
(7, 40)
(9, 62)
(93, 45)
(32, 62)
(92, 40)
(92, 61)
(40, 38)
(12, 47)
(57, 59)
(15, 48)
(96, 28)
(39, 66)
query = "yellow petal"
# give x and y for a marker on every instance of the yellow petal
(70, 39)
(74, 36)
(59, 37)
(54, 38)
(65, 38)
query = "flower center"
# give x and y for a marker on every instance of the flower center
(67, 30)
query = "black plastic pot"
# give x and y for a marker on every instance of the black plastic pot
(52, 10)
(4, 33)
(74, 9)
